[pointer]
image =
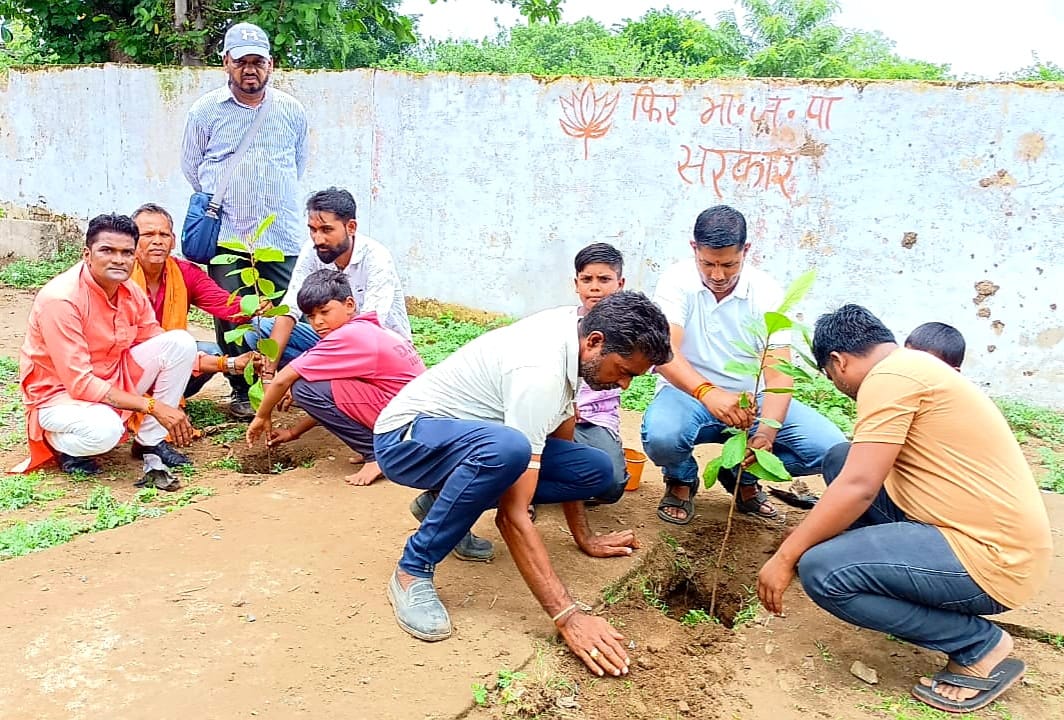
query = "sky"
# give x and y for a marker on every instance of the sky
(978, 43)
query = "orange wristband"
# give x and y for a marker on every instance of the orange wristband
(151, 406)
(702, 389)
(221, 363)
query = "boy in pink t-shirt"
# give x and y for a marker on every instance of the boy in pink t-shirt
(345, 380)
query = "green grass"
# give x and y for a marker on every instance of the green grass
(205, 413)
(26, 537)
(198, 317)
(907, 708)
(12, 415)
(19, 491)
(1028, 420)
(110, 513)
(436, 338)
(227, 463)
(1054, 464)
(821, 395)
(639, 393)
(696, 616)
(23, 273)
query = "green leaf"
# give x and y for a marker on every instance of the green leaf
(268, 254)
(255, 393)
(779, 390)
(759, 472)
(797, 290)
(709, 476)
(249, 373)
(276, 311)
(774, 322)
(231, 273)
(792, 370)
(234, 245)
(263, 227)
(248, 305)
(236, 335)
(249, 276)
(772, 464)
(738, 367)
(269, 348)
(744, 400)
(734, 451)
(225, 259)
(266, 287)
(770, 422)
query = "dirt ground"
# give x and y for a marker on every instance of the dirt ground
(267, 600)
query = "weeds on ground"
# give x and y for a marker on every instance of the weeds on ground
(821, 394)
(748, 610)
(639, 394)
(198, 317)
(652, 598)
(1054, 464)
(204, 413)
(906, 708)
(26, 537)
(25, 274)
(229, 463)
(697, 616)
(230, 435)
(12, 414)
(825, 652)
(436, 338)
(19, 491)
(1031, 421)
(110, 513)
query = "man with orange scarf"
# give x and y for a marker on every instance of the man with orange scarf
(174, 285)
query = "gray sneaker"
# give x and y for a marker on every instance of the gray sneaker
(418, 609)
(470, 547)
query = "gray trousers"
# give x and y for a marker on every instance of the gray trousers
(316, 399)
(601, 438)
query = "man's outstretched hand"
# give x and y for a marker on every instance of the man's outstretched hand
(615, 544)
(597, 643)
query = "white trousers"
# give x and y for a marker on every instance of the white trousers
(83, 429)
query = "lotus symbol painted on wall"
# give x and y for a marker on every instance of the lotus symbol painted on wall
(588, 116)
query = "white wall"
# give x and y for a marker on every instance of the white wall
(905, 198)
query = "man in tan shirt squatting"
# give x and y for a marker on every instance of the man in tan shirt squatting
(931, 520)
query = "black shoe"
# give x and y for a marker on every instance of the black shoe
(240, 407)
(170, 457)
(74, 465)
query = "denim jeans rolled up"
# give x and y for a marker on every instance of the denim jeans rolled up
(674, 423)
(470, 464)
(898, 576)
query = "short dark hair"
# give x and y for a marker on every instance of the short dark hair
(152, 209)
(630, 323)
(320, 288)
(600, 252)
(111, 222)
(850, 329)
(333, 200)
(941, 340)
(719, 227)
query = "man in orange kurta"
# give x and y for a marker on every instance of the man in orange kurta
(93, 349)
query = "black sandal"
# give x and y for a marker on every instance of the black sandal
(754, 504)
(669, 500)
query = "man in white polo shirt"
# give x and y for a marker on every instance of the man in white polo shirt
(492, 426)
(709, 304)
(335, 244)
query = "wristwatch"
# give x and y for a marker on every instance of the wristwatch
(230, 366)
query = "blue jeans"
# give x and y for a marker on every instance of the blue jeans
(601, 438)
(303, 338)
(471, 463)
(899, 576)
(675, 423)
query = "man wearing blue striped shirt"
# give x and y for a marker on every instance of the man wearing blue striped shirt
(265, 181)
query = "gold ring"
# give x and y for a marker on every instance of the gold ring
(594, 653)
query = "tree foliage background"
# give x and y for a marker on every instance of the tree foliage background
(767, 38)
